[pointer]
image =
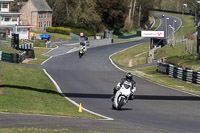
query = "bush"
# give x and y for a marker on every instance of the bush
(85, 32)
(60, 30)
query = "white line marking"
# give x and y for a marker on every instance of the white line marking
(73, 102)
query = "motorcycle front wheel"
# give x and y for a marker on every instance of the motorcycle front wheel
(121, 103)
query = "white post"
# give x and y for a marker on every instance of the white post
(184, 5)
(167, 30)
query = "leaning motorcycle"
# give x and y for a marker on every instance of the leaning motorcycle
(122, 96)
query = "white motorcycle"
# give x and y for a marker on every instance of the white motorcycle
(82, 51)
(122, 95)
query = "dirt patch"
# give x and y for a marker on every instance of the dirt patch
(130, 64)
(27, 60)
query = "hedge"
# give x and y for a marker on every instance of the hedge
(81, 30)
(60, 30)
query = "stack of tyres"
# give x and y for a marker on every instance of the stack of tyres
(6, 57)
(15, 58)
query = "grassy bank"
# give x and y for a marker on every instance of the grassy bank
(150, 72)
(156, 24)
(132, 57)
(29, 90)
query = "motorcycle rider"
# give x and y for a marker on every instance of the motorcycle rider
(83, 48)
(128, 78)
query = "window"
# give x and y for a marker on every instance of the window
(7, 19)
(39, 24)
(41, 15)
(22, 31)
(44, 15)
(5, 5)
(14, 19)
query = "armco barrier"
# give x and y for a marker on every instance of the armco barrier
(179, 73)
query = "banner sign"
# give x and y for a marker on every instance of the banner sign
(152, 34)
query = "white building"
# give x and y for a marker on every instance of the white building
(10, 22)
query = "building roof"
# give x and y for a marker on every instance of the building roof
(41, 5)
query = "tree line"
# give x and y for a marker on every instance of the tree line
(117, 15)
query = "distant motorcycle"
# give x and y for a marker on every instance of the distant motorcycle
(82, 51)
(122, 96)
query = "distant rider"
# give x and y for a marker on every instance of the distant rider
(128, 78)
(83, 48)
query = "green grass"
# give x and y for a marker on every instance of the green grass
(39, 58)
(35, 130)
(157, 23)
(151, 74)
(174, 56)
(56, 36)
(9, 50)
(132, 32)
(29, 90)
(132, 56)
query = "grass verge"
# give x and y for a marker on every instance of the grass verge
(157, 23)
(131, 57)
(39, 56)
(29, 90)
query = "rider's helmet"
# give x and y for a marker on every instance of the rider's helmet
(129, 76)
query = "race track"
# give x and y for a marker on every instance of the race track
(90, 81)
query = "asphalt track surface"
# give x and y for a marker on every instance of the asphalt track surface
(90, 81)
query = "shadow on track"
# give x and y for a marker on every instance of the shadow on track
(137, 97)
(154, 97)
